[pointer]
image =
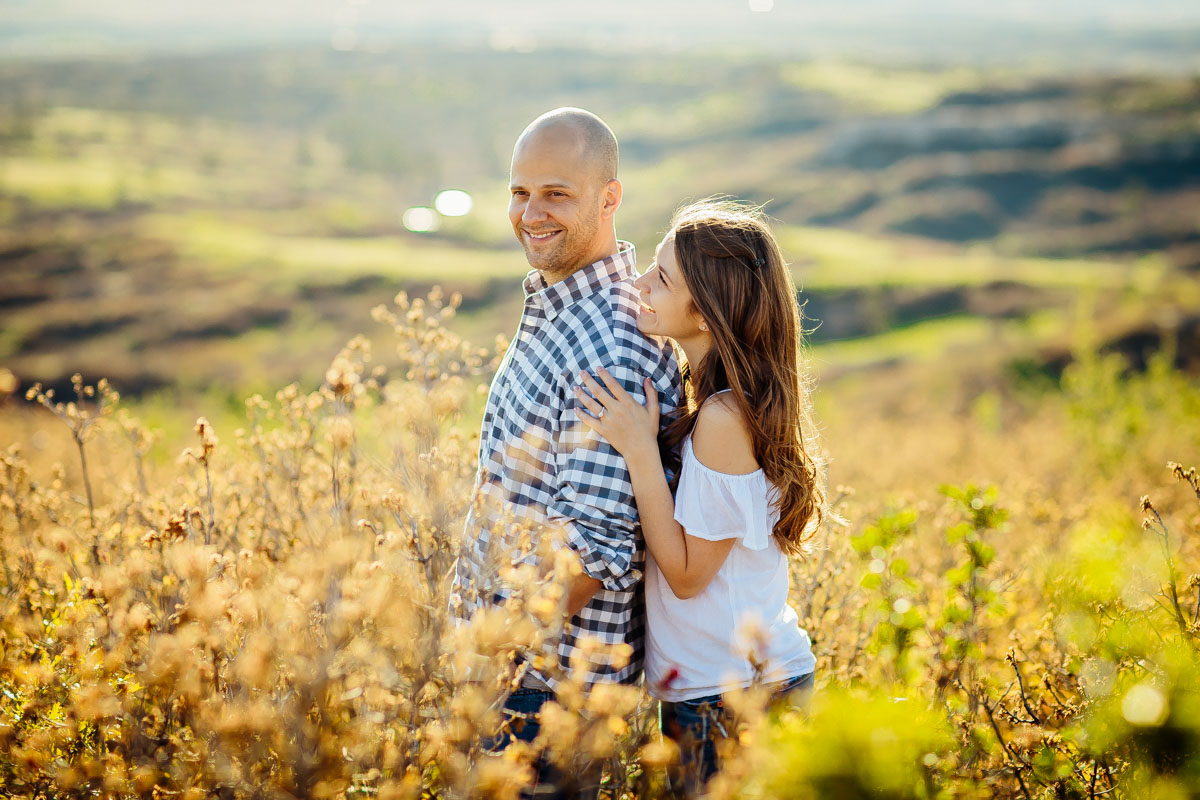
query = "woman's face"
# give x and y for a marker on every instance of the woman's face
(667, 308)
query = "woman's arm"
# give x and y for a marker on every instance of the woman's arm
(689, 564)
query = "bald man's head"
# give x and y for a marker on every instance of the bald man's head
(564, 191)
(596, 142)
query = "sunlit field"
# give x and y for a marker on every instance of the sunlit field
(263, 612)
(241, 382)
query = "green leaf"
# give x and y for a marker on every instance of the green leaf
(958, 576)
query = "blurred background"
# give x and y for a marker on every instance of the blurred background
(203, 200)
(992, 210)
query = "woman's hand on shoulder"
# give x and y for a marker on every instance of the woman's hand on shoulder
(721, 439)
(629, 426)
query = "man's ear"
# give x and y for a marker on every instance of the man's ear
(610, 199)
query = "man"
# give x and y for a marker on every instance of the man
(536, 459)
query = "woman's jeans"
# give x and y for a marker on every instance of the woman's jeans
(695, 726)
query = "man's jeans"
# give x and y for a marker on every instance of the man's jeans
(550, 781)
(695, 725)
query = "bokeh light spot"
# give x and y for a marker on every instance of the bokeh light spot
(453, 203)
(1144, 705)
(420, 219)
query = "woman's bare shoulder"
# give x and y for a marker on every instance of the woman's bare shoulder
(721, 439)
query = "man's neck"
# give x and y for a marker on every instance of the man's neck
(610, 248)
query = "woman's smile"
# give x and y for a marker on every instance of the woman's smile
(672, 312)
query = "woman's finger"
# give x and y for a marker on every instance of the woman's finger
(589, 403)
(651, 393)
(616, 389)
(590, 422)
(598, 391)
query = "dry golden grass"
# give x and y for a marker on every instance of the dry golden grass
(268, 615)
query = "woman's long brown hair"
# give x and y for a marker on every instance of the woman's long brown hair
(743, 289)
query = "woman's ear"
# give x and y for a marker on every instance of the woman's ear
(697, 317)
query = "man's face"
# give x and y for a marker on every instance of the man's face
(556, 203)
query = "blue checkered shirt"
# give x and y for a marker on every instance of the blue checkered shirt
(542, 464)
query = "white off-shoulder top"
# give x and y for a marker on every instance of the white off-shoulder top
(703, 645)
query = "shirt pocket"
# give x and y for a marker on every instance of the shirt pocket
(531, 386)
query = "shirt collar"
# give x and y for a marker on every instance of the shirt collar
(581, 283)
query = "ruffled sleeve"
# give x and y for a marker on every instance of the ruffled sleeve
(715, 505)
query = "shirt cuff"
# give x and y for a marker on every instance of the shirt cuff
(614, 570)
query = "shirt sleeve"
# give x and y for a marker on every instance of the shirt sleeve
(714, 505)
(594, 500)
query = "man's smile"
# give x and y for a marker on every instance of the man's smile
(541, 237)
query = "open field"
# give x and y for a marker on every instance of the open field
(218, 620)
(113, 215)
(1002, 274)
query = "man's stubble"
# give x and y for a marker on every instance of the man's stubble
(574, 251)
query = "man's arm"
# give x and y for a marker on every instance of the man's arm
(579, 594)
(594, 501)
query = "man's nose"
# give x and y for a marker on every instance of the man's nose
(533, 211)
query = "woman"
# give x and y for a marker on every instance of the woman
(747, 489)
